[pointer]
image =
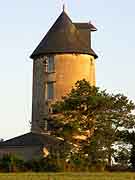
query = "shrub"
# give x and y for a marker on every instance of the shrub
(11, 163)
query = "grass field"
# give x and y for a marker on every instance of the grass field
(67, 176)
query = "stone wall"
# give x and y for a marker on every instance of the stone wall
(26, 153)
(68, 69)
(38, 99)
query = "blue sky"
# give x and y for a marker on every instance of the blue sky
(24, 24)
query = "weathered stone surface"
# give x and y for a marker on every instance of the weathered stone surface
(68, 69)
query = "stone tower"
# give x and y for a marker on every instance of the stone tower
(62, 57)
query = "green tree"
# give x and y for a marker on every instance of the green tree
(11, 163)
(122, 157)
(128, 137)
(97, 115)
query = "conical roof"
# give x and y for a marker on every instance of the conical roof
(63, 37)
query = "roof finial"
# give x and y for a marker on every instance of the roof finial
(64, 7)
(89, 22)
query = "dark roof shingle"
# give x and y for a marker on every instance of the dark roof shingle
(63, 37)
(89, 26)
(31, 139)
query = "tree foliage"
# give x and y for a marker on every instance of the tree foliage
(128, 137)
(96, 115)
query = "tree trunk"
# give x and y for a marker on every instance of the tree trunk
(109, 156)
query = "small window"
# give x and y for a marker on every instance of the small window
(91, 61)
(50, 90)
(51, 64)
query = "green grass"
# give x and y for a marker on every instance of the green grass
(67, 176)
